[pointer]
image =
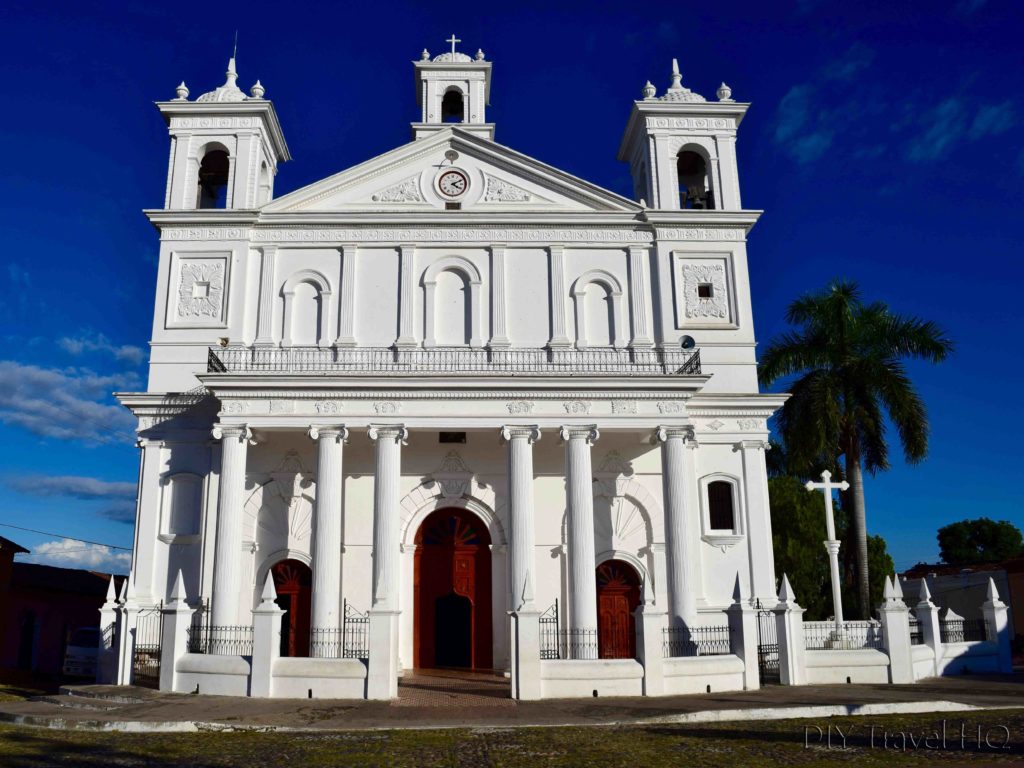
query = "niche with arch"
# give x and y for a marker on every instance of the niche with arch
(181, 507)
(597, 296)
(307, 307)
(213, 177)
(266, 185)
(695, 191)
(451, 304)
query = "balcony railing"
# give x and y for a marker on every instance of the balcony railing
(454, 361)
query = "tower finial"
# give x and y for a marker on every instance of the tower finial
(677, 79)
(234, 51)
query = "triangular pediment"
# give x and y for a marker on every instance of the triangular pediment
(487, 177)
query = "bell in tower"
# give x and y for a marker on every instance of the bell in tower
(453, 89)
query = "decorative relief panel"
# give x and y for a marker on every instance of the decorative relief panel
(576, 407)
(690, 123)
(624, 406)
(214, 122)
(702, 233)
(407, 191)
(715, 425)
(498, 191)
(670, 406)
(200, 291)
(749, 424)
(282, 406)
(510, 234)
(327, 407)
(387, 407)
(234, 407)
(703, 291)
(520, 407)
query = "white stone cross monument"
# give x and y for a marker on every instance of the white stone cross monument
(831, 544)
(453, 40)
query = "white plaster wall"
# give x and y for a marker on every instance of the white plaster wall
(833, 667)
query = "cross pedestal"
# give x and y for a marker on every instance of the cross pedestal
(832, 547)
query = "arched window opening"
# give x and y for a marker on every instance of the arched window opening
(694, 190)
(306, 309)
(599, 316)
(452, 110)
(721, 514)
(213, 180)
(453, 319)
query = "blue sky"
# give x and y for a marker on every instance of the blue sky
(885, 144)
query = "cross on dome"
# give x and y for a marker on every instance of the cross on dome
(453, 40)
(454, 55)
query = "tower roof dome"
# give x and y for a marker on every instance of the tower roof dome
(229, 91)
(676, 91)
(449, 56)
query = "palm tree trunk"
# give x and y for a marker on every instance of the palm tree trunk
(858, 521)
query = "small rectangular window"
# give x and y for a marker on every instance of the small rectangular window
(453, 206)
(705, 291)
(451, 437)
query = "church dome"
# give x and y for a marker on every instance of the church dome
(676, 92)
(229, 91)
(452, 57)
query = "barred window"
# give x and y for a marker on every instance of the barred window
(721, 515)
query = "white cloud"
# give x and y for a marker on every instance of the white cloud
(71, 485)
(68, 553)
(97, 342)
(63, 403)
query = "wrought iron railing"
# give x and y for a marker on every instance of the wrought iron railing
(549, 647)
(696, 641)
(213, 640)
(355, 634)
(579, 643)
(826, 636)
(454, 361)
(108, 639)
(916, 635)
(962, 630)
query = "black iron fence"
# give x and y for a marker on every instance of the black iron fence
(962, 630)
(549, 645)
(109, 638)
(455, 361)
(916, 635)
(213, 640)
(146, 648)
(852, 635)
(696, 641)
(351, 641)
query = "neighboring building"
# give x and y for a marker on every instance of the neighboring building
(962, 588)
(41, 606)
(453, 382)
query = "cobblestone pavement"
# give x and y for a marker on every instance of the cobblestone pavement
(452, 689)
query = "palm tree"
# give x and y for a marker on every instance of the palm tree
(848, 360)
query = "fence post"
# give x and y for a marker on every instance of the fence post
(650, 647)
(266, 641)
(743, 637)
(106, 660)
(382, 669)
(177, 616)
(789, 626)
(524, 654)
(896, 632)
(998, 627)
(928, 619)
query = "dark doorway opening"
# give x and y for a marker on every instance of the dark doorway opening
(293, 581)
(453, 631)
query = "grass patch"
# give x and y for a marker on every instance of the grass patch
(11, 692)
(741, 745)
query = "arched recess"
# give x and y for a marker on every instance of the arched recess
(646, 582)
(269, 561)
(470, 275)
(304, 292)
(214, 169)
(706, 151)
(453, 105)
(266, 185)
(614, 315)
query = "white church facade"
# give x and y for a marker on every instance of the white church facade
(451, 407)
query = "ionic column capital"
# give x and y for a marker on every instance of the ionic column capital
(676, 432)
(588, 432)
(237, 432)
(396, 432)
(528, 432)
(752, 445)
(337, 433)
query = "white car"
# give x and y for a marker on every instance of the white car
(80, 655)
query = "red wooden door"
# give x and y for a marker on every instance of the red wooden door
(452, 592)
(293, 581)
(618, 595)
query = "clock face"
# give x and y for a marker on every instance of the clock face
(453, 183)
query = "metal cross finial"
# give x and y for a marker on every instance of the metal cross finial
(453, 40)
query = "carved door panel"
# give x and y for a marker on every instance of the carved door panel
(618, 595)
(293, 581)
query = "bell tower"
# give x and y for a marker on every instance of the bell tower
(453, 89)
(681, 148)
(225, 147)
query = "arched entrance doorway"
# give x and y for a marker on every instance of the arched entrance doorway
(452, 592)
(618, 595)
(293, 581)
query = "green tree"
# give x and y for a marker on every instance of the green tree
(979, 541)
(847, 357)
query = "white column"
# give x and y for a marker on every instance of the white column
(556, 263)
(580, 498)
(638, 297)
(499, 331)
(147, 518)
(265, 311)
(389, 440)
(520, 441)
(759, 523)
(327, 527)
(407, 255)
(347, 304)
(682, 565)
(227, 562)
